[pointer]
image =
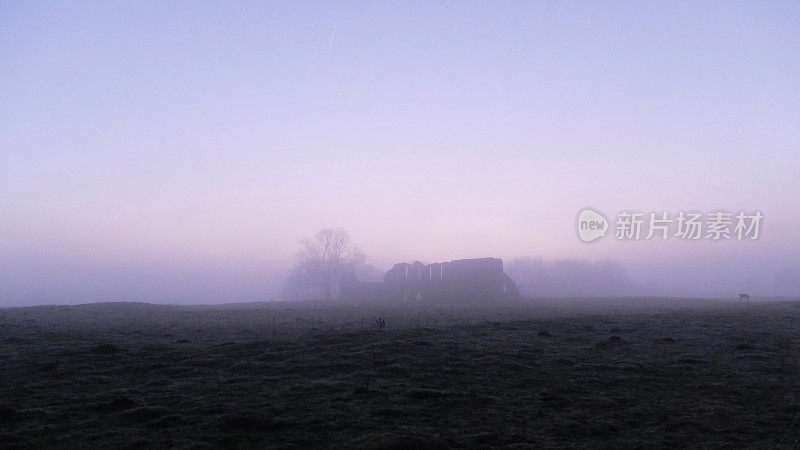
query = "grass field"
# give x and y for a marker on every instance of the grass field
(556, 373)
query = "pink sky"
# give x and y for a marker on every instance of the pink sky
(164, 153)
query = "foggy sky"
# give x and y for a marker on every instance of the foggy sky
(176, 152)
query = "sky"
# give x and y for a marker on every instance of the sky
(178, 151)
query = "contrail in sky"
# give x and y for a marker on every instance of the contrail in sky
(330, 44)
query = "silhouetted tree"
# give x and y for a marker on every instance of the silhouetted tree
(329, 258)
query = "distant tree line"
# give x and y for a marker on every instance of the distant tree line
(570, 278)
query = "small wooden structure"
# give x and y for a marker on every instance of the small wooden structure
(744, 298)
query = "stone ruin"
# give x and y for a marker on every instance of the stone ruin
(457, 280)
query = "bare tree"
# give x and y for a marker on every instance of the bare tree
(329, 258)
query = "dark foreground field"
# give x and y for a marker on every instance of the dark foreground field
(611, 374)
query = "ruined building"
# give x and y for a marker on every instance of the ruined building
(461, 279)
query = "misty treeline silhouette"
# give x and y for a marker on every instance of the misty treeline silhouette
(331, 258)
(323, 262)
(570, 278)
